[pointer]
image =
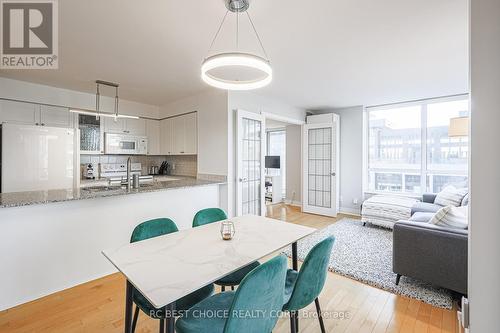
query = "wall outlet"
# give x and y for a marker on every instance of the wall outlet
(355, 201)
(173, 166)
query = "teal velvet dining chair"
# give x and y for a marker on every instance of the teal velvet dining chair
(253, 308)
(303, 287)
(211, 215)
(150, 229)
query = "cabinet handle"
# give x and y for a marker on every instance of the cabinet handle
(36, 124)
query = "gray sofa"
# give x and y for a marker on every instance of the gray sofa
(428, 252)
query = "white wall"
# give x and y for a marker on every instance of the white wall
(37, 93)
(212, 128)
(351, 157)
(484, 241)
(294, 164)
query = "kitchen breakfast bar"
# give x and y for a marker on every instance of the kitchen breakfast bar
(52, 240)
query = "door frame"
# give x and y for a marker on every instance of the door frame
(333, 210)
(240, 114)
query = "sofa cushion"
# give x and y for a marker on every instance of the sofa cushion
(451, 196)
(465, 200)
(422, 217)
(451, 217)
(425, 207)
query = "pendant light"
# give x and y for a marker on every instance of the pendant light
(214, 64)
(98, 112)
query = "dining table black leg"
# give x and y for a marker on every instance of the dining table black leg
(295, 266)
(128, 307)
(170, 317)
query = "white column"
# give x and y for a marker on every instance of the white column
(484, 244)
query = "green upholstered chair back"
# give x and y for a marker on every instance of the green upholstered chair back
(153, 228)
(258, 299)
(208, 215)
(312, 276)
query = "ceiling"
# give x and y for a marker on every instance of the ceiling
(325, 53)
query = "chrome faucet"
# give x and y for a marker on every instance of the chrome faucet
(127, 181)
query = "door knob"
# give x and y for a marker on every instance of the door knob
(333, 174)
(244, 179)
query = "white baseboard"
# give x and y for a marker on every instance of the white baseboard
(349, 211)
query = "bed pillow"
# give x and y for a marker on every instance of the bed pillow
(451, 196)
(451, 217)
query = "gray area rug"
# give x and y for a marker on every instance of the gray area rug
(364, 253)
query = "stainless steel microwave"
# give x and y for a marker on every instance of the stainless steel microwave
(125, 144)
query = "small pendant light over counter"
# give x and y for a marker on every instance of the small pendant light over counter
(256, 71)
(97, 113)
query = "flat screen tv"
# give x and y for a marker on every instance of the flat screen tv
(272, 162)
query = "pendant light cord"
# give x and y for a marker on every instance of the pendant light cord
(217, 33)
(258, 37)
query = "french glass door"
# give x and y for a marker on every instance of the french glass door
(250, 166)
(319, 179)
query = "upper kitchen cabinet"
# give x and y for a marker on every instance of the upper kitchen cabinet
(135, 126)
(126, 126)
(91, 134)
(190, 134)
(34, 114)
(166, 144)
(19, 112)
(55, 116)
(153, 134)
(179, 135)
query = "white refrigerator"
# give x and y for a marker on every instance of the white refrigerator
(38, 158)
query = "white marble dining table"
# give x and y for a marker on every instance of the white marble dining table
(169, 267)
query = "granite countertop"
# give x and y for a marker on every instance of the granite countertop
(17, 199)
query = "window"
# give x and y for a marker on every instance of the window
(409, 150)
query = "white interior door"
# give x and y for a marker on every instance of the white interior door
(250, 164)
(320, 169)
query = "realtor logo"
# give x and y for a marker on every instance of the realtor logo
(29, 34)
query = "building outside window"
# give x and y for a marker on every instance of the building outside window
(409, 149)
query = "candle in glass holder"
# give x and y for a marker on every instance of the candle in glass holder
(227, 230)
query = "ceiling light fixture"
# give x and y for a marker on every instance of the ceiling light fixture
(102, 114)
(213, 65)
(97, 113)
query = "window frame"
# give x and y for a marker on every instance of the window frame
(424, 171)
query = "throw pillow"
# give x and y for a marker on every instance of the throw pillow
(451, 196)
(451, 217)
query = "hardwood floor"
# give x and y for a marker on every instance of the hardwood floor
(98, 306)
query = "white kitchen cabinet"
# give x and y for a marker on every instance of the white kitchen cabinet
(114, 126)
(34, 114)
(126, 126)
(19, 112)
(178, 130)
(179, 135)
(153, 133)
(190, 134)
(166, 143)
(55, 116)
(135, 126)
